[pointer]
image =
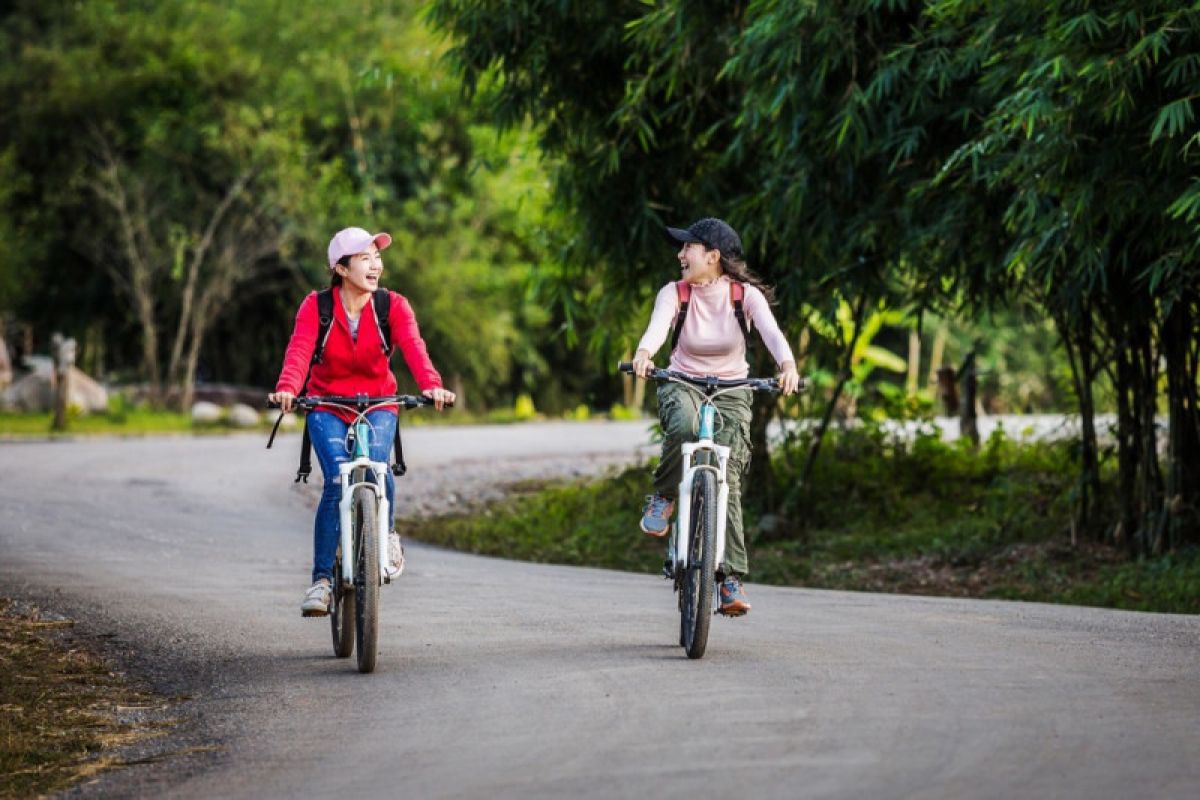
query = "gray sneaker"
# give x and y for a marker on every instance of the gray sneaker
(395, 555)
(316, 599)
(656, 516)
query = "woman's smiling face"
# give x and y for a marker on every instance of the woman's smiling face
(363, 270)
(697, 264)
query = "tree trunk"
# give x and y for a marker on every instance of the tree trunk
(937, 353)
(914, 363)
(843, 376)
(1126, 531)
(758, 489)
(1181, 509)
(459, 387)
(968, 383)
(1079, 348)
(142, 267)
(1150, 485)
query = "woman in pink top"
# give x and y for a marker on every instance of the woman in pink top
(711, 342)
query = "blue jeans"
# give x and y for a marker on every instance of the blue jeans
(328, 434)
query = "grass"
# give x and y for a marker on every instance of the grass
(59, 704)
(918, 517)
(137, 421)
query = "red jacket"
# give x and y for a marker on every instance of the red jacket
(350, 367)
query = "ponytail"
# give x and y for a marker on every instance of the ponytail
(736, 268)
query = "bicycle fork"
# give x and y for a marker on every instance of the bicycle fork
(345, 512)
(683, 527)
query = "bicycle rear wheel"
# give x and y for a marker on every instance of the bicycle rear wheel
(699, 585)
(366, 578)
(341, 612)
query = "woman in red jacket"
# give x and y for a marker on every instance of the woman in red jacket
(353, 362)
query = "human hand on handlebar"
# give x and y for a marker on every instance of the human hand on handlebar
(440, 397)
(285, 400)
(642, 364)
(789, 378)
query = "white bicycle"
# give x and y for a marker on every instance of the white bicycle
(360, 565)
(697, 542)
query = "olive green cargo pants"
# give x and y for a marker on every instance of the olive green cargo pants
(679, 413)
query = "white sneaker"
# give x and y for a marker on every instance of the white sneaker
(316, 600)
(395, 555)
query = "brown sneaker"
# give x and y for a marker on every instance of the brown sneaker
(656, 516)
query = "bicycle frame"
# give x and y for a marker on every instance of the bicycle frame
(361, 430)
(375, 471)
(708, 389)
(680, 541)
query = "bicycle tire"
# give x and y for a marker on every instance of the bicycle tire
(366, 578)
(341, 612)
(699, 581)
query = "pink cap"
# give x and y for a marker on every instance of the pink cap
(351, 241)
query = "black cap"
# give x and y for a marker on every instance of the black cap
(713, 233)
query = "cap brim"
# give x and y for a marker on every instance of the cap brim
(681, 236)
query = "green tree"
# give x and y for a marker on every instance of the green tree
(1088, 143)
(957, 155)
(185, 164)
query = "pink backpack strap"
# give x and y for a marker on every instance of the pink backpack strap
(683, 291)
(737, 293)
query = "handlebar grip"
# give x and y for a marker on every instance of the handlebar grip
(422, 400)
(625, 366)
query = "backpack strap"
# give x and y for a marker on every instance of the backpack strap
(382, 300)
(683, 290)
(398, 466)
(737, 293)
(305, 456)
(324, 326)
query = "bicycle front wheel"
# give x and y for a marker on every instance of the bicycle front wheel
(366, 578)
(699, 584)
(341, 612)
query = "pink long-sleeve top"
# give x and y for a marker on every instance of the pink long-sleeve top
(352, 365)
(711, 343)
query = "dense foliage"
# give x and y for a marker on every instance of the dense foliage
(172, 173)
(946, 155)
(892, 514)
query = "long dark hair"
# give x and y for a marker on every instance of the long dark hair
(334, 278)
(736, 268)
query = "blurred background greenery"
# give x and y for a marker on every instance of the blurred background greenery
(920, 181)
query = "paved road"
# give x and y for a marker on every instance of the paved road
(501, 679)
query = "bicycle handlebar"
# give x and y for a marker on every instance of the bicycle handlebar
(408, 401)
(710, 382)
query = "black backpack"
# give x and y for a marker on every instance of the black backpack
(382, 301)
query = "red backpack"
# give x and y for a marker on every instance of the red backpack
(737, 292)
